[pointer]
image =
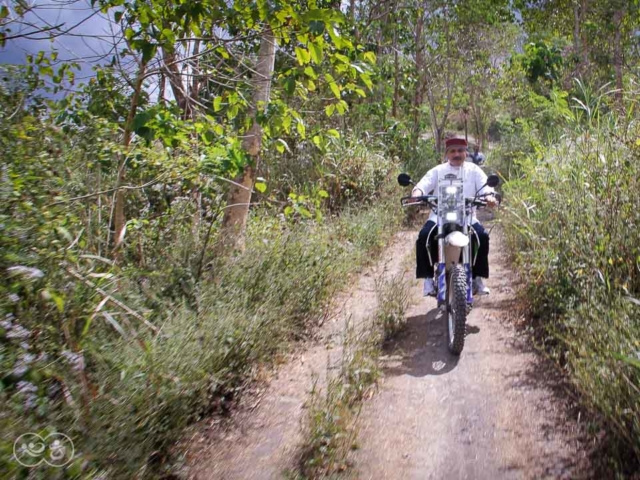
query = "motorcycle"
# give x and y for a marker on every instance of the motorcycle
(453, 278)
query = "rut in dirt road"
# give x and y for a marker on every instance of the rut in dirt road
(262, 438)
(488, 414)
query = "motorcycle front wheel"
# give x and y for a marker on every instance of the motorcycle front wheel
(456, 308)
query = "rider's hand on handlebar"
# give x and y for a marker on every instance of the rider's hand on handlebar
(491, 201)
(416, 192)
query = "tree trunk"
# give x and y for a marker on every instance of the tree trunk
(418, 94)
(585, 46)
(172, 72)
(577, 47)
(162, 85)
(119, 219)
(235, 218)
(439, 127)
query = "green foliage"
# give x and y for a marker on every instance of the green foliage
(541, 62)
(348, 171)
(147, 386)
(570, 213)
(122, 356)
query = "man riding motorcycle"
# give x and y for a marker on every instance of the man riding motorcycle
(474, 182)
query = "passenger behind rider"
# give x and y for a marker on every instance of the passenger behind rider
(475, 178)
(477, 156)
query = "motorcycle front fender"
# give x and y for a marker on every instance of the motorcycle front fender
(454, 243)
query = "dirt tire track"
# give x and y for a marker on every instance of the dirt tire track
(260, 441)
(489, 414)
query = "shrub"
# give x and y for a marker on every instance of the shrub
(570, 223)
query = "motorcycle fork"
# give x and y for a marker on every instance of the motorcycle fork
(466, 261)
(442, 271)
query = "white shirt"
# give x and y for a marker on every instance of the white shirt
(474, 178)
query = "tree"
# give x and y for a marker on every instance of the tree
(239, 197)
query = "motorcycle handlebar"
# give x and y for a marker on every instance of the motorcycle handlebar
(432, 200)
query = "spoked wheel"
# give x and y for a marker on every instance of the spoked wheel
(456, 308)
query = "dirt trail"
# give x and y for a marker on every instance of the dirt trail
(261, 439)
(489, 414)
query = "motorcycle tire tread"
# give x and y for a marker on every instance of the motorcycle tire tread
(459, 291)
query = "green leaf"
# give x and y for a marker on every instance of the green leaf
(59, 301)
(316, 27)
(316, 52)
(310, 72)
(217, 104)
(342, 58)
(332, 85)
(290, 85)
(117, 16)
(323, 194)
(56, 297)
(332, 132)
(304, 212)
(370, 57)
(4, 12)
(261, 187)
(148, 51)
(169, 36)
(288, 210)
(301, 129)
(317, 14)
(366, 80)
(329, 109)
(303, 55)
(286, 123)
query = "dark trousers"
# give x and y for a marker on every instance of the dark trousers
(424, 268)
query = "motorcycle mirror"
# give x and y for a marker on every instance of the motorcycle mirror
(493, 180)
(404, 180)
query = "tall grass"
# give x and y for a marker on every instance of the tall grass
(572, 223)
(144, 387)
(332, 423)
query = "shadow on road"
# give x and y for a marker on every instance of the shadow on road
(421, 349)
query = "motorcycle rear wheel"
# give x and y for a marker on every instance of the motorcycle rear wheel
(456, 309)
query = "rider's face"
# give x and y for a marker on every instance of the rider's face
(456, 156)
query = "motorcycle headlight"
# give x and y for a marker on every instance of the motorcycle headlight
(451, 216)
(451, 190)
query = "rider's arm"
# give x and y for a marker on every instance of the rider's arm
(426, 184)
(481, 179)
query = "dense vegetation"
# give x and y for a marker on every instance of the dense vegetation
(179, 217)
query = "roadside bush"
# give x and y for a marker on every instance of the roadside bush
(121, 348)
(572, 217)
